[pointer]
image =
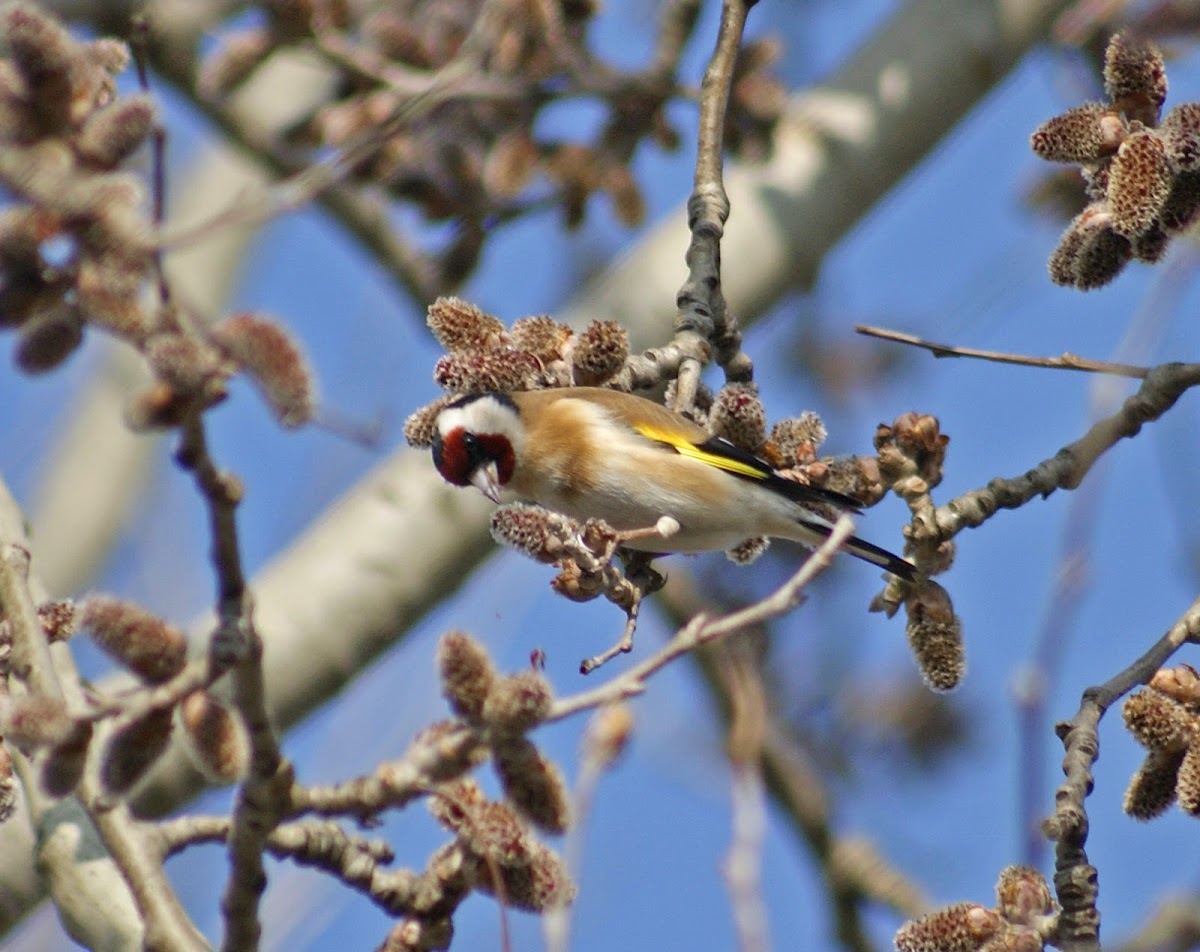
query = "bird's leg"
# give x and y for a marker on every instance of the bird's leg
(639, 570)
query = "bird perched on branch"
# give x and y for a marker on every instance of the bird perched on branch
(593, 453)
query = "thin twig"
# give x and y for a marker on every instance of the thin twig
(1067, 361)
(702, 630)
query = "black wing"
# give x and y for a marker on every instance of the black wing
(763, 472)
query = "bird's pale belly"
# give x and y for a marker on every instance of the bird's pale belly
(699, 531)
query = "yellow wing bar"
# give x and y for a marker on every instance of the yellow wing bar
(704, 453)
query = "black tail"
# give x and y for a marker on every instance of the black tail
(869, 552)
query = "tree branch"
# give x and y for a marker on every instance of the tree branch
(1075, 879)
(1162, 386)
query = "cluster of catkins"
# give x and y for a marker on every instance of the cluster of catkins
(154, 652)
(1141, 169)
(582, 553)
(911, 459)
(1022, 920)
(497, 835)
(1164, 717)
(76, 244)
(495, 850)
(73, 243)
(483, 356)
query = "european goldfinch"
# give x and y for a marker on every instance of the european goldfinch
(593, 453)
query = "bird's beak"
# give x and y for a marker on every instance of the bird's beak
(487, 480)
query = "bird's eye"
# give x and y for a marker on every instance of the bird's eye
(476, 450)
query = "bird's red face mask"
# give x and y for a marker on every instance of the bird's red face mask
(482, 460)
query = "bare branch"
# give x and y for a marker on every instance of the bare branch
(703, 320)
(261, 802)
(1162, 386)
(1075, 879)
